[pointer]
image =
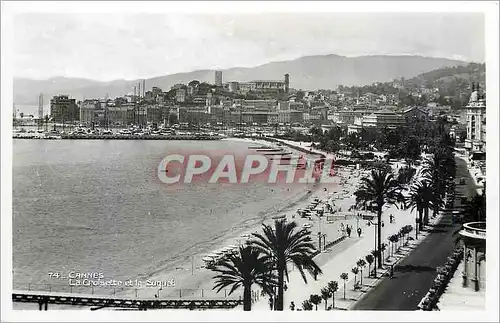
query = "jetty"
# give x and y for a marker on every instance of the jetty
(44, 298)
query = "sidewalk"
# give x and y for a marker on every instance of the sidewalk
(342, 262)
(342, 258)
(457, 297)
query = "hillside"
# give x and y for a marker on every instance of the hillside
(453, 84)
(310, 72)
(452, 80)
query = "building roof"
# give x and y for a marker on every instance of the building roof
(384, 112)
(413, 108)
(275, 81)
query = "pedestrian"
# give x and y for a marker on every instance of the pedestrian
(359, 232)
(348, 231)
(271, 302)
(292, 306)
(391, 218)
(285, 287)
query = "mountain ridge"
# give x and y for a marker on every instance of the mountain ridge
(307, 73)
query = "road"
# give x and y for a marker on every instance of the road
(414, 275)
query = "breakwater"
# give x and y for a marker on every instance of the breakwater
(298, 148)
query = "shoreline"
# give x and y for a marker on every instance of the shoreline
(202, 278)
(186, 270)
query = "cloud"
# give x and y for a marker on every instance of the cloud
(112, 46)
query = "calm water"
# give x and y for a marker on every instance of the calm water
(97, 206)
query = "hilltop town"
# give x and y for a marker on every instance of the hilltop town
(275, 106)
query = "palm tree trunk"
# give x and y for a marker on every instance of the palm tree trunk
(379, 238)
(426, 216)
(281, 281)
(420, 223)
(247, 298)
(344, 288)
(333, 301)
(326, 304)
(361, 277)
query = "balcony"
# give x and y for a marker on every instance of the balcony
(474, 230)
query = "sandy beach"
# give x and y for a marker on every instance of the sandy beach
(192, 280)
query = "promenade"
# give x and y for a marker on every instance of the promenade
(418, 270)
(339, 259)
(414, 265)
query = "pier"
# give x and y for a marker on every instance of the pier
(44, 298)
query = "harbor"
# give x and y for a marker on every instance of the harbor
(124, 134)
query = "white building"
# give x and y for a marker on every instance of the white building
(381, 119)
(476, 122)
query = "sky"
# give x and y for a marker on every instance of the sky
(104, 46)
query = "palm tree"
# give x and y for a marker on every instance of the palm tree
(474, 211)
(391, 249)
(375, 255)
(283, 245)
(379, 190)
(405, 175)
(475, 208)
(315, 299)
(396, 240)
(369, 259)
(307, 305)
(333, 286)
(383, 248)
(344, 277)
(245, 268)
(407, 229)
(416, 200)
(361, 263)
(326, 293)
(440, 171)
(402, 233)
(421, 198)
(355, 271)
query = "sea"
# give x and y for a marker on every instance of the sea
(97, 206)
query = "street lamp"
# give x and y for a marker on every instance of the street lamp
(375, 258)
(320, 235)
